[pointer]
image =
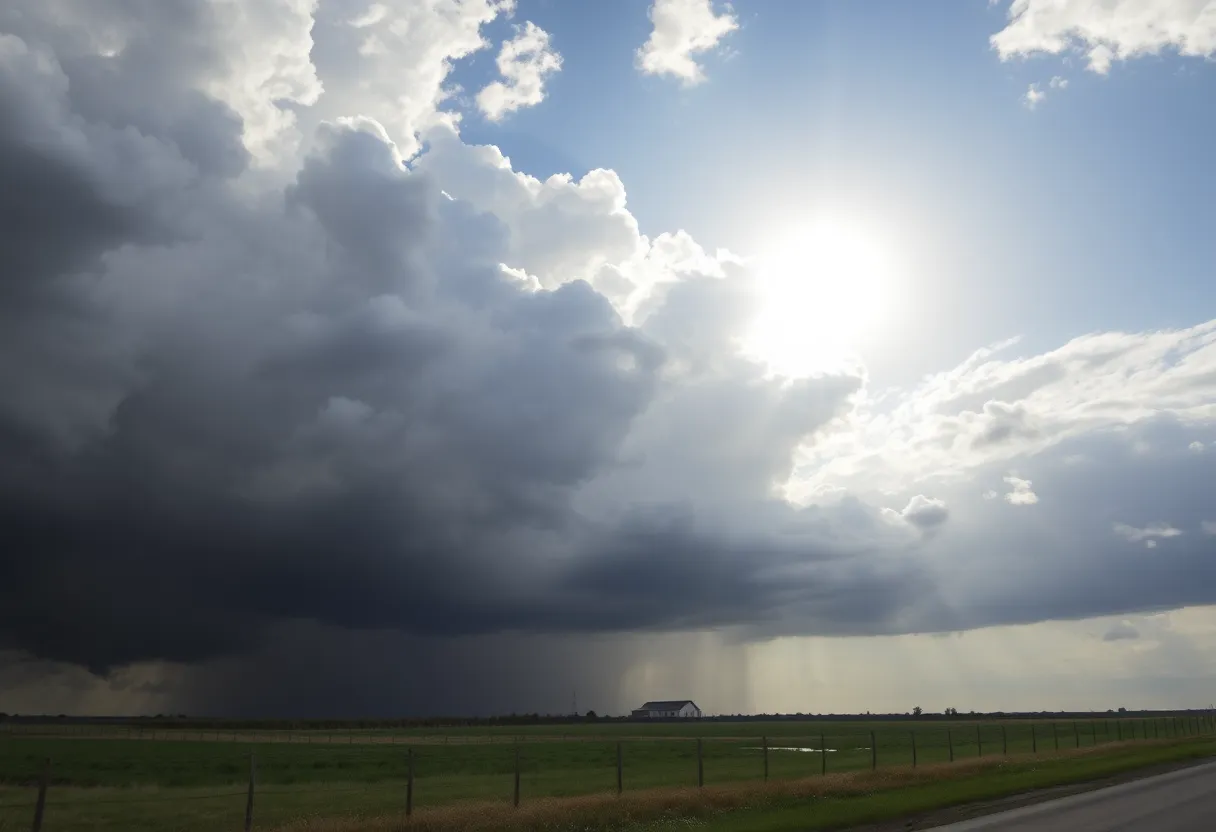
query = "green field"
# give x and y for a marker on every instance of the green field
(108, 778)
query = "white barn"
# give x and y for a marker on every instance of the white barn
(669, 709)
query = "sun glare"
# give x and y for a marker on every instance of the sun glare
(822, 293)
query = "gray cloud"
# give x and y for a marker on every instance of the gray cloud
(339, 409)
(925, 513)
(256, 418)
(1121, 631)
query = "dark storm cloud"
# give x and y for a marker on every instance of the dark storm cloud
(366, 425)
(54, 219)
(1062, 557)
(263, 427)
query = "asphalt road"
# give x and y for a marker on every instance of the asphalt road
(1180, 801)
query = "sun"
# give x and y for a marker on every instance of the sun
(822, 292)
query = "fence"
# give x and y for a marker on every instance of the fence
(430, 771)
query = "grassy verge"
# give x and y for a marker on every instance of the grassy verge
(102, 790)
(832, 802)
(941, 790)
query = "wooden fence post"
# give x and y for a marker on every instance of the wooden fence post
(409, 782)
(1055, 734)
(913, 734)
(1004, 741)
(764, 748)
(620, 775)
(1034, 739)
(700, 765)
(979, 742)
(950, 743)
(873, 752)
(249, 799)
(516, 773)
(823, 755)
(1076, 736)
(1093, 734)
(43, 784)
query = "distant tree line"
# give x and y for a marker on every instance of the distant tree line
(184, 722)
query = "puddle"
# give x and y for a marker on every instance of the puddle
(803, 750)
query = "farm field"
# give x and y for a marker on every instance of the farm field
(105, 779)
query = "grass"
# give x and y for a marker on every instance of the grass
(837, 801)
(944, 788)
(185, 784)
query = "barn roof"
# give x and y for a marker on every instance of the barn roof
(667, 705)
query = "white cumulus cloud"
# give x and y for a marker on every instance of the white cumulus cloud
(682, 29)
(357, 381)
(1034, 96)
(1109, 31)
(1021, 493)
(391, 60)
(1149, 534)
(525, 62)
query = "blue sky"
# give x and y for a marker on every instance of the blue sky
(315, 367)
(1090, 212)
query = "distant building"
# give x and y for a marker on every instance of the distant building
(670, 709)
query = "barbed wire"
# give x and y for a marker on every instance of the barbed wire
(849, 752)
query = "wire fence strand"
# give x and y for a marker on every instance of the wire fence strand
(647, 762)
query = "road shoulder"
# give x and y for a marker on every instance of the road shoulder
(969, 811)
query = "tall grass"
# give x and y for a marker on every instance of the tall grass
(641, 809)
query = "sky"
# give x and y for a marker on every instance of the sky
(467, 357)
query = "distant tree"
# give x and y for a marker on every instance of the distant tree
(591, 715)
(917, 711)
(1123, 710)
